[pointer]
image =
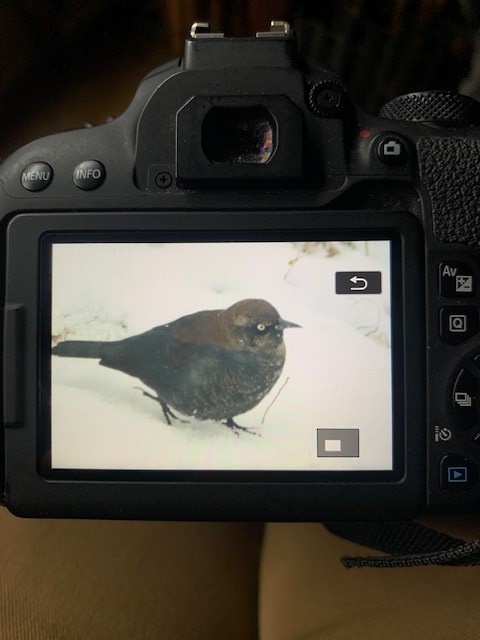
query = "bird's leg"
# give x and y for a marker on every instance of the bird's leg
(167, 412)
(231, 424)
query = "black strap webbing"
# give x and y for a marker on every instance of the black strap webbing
(409, 543)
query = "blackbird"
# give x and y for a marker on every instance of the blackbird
(212, 365)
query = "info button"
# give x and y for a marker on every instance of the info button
(358, 282)
(89, 175)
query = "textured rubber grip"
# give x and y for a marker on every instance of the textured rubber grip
(450, 171)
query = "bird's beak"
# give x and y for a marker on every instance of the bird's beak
(285, 324)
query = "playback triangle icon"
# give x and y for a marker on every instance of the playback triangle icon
(458, 473)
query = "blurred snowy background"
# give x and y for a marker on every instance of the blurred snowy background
(337, 372)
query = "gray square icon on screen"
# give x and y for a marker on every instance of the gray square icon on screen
(338, 443)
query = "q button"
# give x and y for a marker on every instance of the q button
(89, 175)
(457, 324)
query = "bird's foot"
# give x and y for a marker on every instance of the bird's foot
(231, 424)
(167, 412)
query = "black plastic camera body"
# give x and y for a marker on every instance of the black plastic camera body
(239, 174)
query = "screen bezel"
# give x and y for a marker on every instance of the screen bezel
(220, 475)
(28, 493)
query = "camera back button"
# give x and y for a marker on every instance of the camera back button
(464, 397)
(457, 324)
(89, 175)
(456, 280)
(457, 473)
(37, 176)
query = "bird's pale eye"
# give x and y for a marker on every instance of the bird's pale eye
(261, 327)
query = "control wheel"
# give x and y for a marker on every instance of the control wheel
(445, 108)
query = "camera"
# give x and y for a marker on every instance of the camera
(245, 298)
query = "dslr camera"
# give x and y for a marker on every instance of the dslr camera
(245, 298)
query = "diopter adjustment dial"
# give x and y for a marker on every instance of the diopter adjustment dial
(440, 107)
(326, 99)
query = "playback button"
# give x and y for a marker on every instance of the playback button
(457, 473)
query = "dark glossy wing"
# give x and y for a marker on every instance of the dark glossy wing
(167, 364)
(144, 356)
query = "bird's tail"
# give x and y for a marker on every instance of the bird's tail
(80, 349)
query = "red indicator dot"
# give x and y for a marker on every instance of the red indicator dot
(365, 133)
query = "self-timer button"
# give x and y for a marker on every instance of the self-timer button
(89, 175)
(456, 280)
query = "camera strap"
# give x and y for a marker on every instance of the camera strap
(409, 544)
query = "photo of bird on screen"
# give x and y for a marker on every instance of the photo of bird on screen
(219, 355)
(212, 364)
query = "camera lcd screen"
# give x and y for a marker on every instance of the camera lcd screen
(226, 355)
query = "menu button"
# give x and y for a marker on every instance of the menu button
(37, 176)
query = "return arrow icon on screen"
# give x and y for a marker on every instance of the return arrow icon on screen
(356, 280)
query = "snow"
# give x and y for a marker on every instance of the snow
(337, 372)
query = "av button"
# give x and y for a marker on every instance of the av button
(457, 473)
(89, 175)
(456, 280)
(37, 176)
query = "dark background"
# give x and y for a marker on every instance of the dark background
(66, 62)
